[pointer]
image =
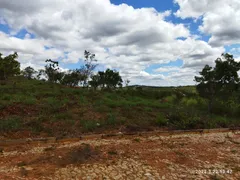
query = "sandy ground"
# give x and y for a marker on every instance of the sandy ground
(153, 156)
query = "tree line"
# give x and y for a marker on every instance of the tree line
(9, 66)
(219, 82)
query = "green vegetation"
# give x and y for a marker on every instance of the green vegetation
(60, 109)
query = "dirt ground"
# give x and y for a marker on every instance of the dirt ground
(150, 156)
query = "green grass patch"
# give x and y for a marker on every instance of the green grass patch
(89, 125)
(10, 123)
(161, 120)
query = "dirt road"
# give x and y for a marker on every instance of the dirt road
(152, 156)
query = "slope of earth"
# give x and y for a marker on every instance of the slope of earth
(149, 156)
(31, 108)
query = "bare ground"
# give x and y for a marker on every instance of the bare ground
(153, 156)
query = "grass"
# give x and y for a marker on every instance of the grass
(161, 120)
(43, 107)
(89, 125)
(10, 123)
(111, 120)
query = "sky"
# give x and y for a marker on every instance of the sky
(150, 42)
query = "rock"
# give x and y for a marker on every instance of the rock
(147, 174)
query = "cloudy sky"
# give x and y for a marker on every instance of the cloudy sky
(151, 42)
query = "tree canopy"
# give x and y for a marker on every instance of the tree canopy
(9, 66)
(109, 79)
(28, 72)
(217, 82)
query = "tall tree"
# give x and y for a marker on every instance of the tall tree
(95, 82)
(52, 71)
(89, 65)
(9, 66)
(218, 81)
(73, 77)
(29, 72)
(111, 79)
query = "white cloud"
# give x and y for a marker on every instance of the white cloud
(221, 18)
(121, 37)
(166, 69)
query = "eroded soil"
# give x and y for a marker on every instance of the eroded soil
(152, 156)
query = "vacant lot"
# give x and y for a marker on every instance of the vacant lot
(149, 156)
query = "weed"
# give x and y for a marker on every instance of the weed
(51, 148)
(111, 120)
(78, 155)
(10, 123)
(35, 125)
(148, 109)
(62, 116)
(89, 125)
(161, 120)
(190, 102)
(136, 140)
(112, 152)
(21, 164)
(179, 153)
(170, 99)
(6, 97)
(30, 101)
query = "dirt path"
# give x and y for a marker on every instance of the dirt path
(182, 156)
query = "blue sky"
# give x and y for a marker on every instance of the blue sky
(164, 48)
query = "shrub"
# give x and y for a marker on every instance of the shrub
(62, 116)
(10, 123)
(89, 125)
(6, 97)
(111, 119)
(171, 99)
(30, 101)
(217, 122)
(190, 102)
(184, 120)
(161, 120)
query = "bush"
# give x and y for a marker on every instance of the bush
(6, 97)
(62, 116)
(185, 120)
(111, 119)
(190, 102)
(217, 122)
(161, 120)
(10, 123)
(171, 99)
(30, 101)
(89, 125)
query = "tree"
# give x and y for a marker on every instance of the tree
(127, 81)
(73, 78)
(95, 82)
(9, 66)
(89, 66)
(29, 72)
(52, 71)
(40, 72)
(111, 79)
(218, 81)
